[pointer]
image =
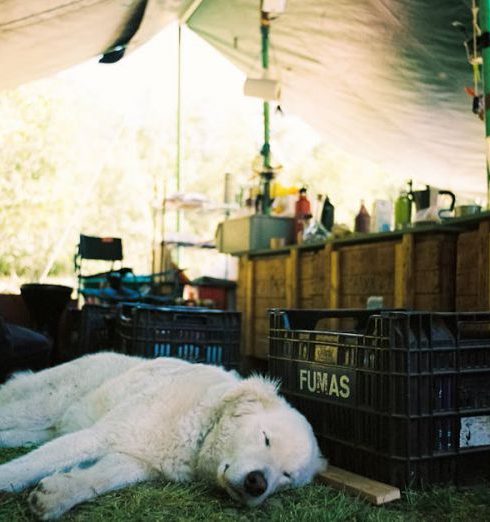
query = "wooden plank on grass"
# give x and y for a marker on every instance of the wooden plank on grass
(248, 323)
(375, 492)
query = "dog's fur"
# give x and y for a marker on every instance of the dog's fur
(117, 420)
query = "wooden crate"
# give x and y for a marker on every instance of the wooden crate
(366, 270)
(434, 267)
(472, 286)
(262, 284)
(313, 274)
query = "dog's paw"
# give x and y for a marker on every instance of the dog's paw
(49, 499)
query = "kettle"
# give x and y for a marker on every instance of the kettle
(428, 198)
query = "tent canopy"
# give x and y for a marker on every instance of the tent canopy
(382, 79)
(41, 37)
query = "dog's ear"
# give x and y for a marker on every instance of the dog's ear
(250, 395)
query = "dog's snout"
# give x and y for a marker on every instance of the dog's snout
(255, 483)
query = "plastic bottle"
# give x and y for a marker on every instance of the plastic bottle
(327, 217)
(382, 215)
(313, 228)
(363, 220)
(403, 211)
(302, 212)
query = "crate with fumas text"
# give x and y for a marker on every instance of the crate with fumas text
(402, 397)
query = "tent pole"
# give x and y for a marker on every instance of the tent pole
(178, 157)
(485, 39)
(178, 154)
(187, 14)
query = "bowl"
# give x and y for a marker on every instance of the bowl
(466, 210)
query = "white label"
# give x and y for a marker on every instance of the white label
(475, 431)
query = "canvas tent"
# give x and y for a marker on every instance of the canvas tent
(383, 79)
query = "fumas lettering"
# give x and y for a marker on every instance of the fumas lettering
(325, 383)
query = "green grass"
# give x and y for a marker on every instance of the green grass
(163, 501)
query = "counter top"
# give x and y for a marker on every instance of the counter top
(451, 226)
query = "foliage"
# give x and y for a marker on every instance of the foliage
(71, 163)
(56, 183)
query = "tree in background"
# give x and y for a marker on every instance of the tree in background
(71, 164)
(62, 173)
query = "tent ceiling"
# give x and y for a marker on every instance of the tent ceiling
(41, 37)
(383, 79)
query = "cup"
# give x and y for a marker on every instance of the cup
(277, 242)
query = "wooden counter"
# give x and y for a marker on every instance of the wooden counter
(436, 267)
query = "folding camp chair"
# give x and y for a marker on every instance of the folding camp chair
(104, 286)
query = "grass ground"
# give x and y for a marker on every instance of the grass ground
(163, 501)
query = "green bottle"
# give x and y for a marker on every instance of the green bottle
(327, 217)
(403, 211)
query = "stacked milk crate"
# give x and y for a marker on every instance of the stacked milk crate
(401, 397)
(192, 333)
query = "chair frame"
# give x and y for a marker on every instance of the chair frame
(99, 249)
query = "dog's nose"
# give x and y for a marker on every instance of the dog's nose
(255, 483)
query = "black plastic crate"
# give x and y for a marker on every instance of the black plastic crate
(195, 334)
(406, 393)
(97, 330)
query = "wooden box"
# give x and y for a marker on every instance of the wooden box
(414, 270)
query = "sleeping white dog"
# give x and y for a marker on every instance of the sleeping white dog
(117, 420)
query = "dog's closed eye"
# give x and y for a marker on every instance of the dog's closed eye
(266, 439)
(287, 475)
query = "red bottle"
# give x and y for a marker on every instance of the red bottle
(301, 214)
(363, 220)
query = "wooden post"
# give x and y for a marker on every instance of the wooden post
(334, 297)
(292, 279)
(327, 271)
(248, 320)
(404, 269)
(487, 261)
(483, 266)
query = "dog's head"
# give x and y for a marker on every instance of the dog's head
(264, 444)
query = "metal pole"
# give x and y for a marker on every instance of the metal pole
(178, 157)
(485, 40)
(264, 31)
(266, 174)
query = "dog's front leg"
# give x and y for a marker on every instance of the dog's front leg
(58, 493)
(17, 438)
(60, 454)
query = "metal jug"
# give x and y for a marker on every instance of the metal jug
(428, 198)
